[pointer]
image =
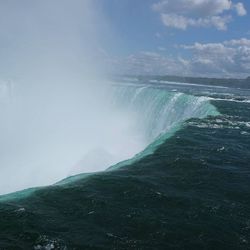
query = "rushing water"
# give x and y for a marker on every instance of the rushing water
(49, 137)
(189, 189)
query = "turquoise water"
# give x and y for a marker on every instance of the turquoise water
(160, 113)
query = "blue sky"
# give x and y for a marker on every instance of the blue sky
(191, 37)
(156, 37)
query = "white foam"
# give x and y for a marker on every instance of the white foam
(188, 84)
(229, 100)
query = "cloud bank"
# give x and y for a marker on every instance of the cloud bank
(182, 14)
(230, 59)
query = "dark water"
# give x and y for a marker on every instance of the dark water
(193, 192)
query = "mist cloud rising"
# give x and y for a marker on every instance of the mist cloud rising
(54, 117)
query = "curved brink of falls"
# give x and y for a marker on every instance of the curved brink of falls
(156, 113)
(160, 113)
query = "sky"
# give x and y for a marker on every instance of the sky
(152, 37)
(178, 37)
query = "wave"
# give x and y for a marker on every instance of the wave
(230, 100)
(188, 84)
(222, 122)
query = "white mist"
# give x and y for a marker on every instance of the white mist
(55, 117)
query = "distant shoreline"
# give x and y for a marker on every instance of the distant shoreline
(224, 82)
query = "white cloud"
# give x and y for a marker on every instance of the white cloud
(149, 63)
(239, 42)
(198, 8)
(240, 9)
(229, 58)
(182, 22)
(175, 21)
(181, 14)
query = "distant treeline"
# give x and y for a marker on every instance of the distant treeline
(225, 82)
